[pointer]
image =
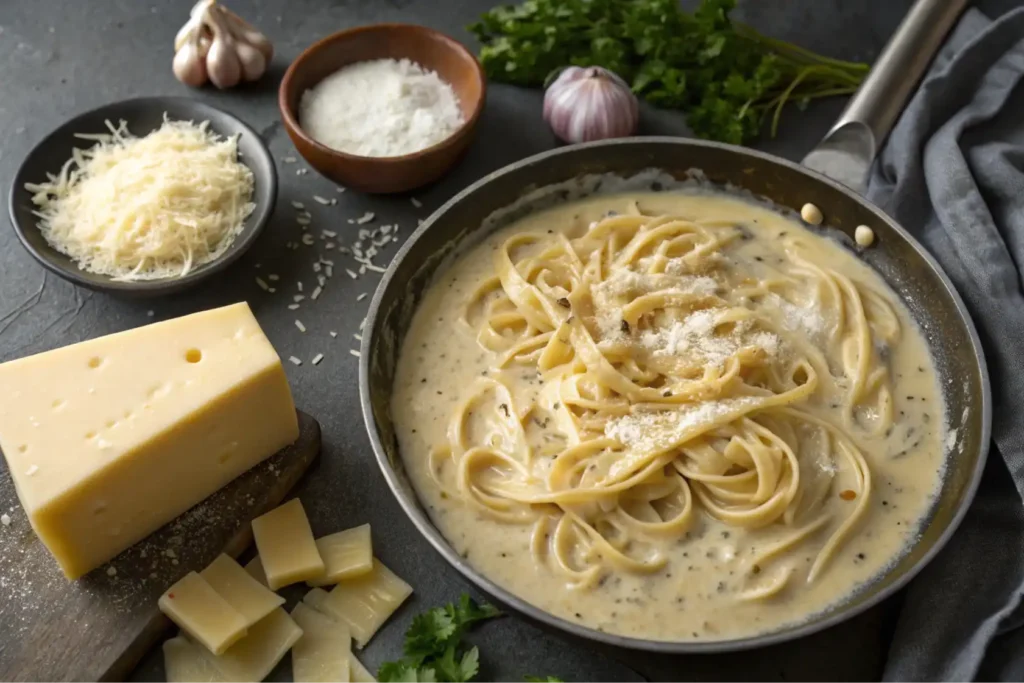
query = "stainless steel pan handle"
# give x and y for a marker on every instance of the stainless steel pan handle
(847, 150)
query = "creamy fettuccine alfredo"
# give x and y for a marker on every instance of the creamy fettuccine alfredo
(670, 416)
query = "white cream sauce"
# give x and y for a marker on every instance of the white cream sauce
(695, 597)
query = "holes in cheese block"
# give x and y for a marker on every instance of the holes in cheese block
(110, 424)
(22, 448)
(95, 362)
(193, 355)
(58, 403)
(99, 509)
(90, 434)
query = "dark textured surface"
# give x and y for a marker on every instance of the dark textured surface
(61, 58)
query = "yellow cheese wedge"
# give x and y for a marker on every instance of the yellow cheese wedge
(366, 602)
(184, 662)
(357, 673)
(255, 569)
(346, 554)
(109, 439)
(322, 653)
(193, 605)
(248, 596)
(255, 656)
(286, 546)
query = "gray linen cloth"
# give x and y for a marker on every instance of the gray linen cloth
(952, 173)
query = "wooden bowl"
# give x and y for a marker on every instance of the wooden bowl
(428, 48)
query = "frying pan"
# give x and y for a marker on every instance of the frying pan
(847, 150)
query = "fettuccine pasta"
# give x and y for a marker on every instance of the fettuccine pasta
(648, 375)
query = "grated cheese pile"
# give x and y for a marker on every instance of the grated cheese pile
(645, 431)
(380, 108)
(146, 208)
(696, 336)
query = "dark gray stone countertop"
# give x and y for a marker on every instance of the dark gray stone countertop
(61, 58)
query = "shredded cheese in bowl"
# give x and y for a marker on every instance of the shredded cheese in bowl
(146, 208)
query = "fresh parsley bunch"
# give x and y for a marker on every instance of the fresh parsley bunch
(727, 77)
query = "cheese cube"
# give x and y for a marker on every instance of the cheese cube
(286, 546)
(245, 594)
(184, 662)
(322, 653)
(255, 656)
(109, 439)
(193, 605)
(365, 602)
(346, 554)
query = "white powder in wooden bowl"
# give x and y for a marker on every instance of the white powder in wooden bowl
(380, 108)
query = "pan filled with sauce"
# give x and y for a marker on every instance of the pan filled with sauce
(657, 407)
(681, 396)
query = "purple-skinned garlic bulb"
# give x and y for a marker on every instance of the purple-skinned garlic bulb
(590, 103)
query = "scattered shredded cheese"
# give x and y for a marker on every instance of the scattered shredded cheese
(146, 208)
(298, 324)
(317, 358)
(294, 360)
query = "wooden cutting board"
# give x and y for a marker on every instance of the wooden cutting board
(98, 627)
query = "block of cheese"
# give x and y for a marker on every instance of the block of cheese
(322, 653)
(109, 439)
(286, 546)
(255, 656)
(245, 594)
(357, 673)
(346, 554)
(365, 602)
(184, 662)
(193, 605)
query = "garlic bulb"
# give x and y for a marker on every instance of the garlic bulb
(590, 103)
(218, 45)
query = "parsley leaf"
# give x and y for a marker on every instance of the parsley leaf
(727, 77)
(433, 645)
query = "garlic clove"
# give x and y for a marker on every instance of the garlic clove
(590, 103)
(189, 66)
(260, 42)
(252, 60)
(222, 63)
(185, 34)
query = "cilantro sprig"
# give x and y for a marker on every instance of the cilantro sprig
(727, 77)
(434, 650)
(433, 645)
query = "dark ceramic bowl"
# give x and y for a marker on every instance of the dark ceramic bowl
(143, 115)
(428, 48)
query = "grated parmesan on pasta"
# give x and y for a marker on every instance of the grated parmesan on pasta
(146, 208)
